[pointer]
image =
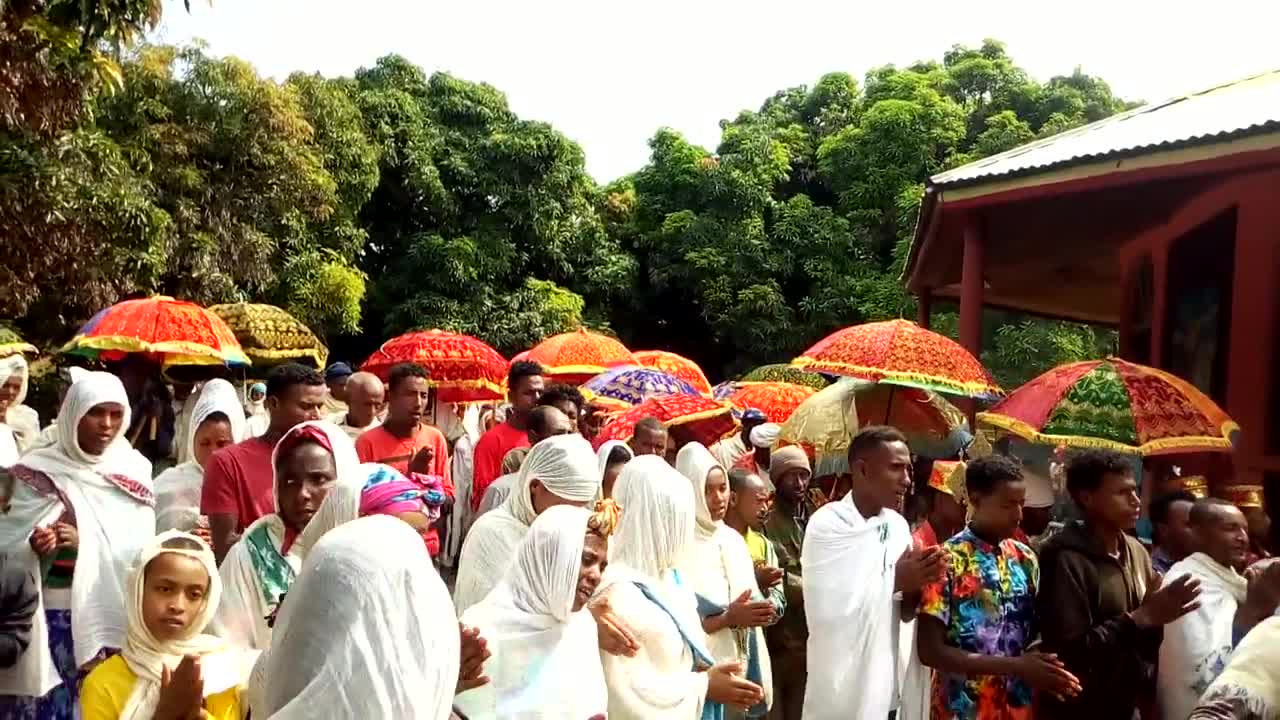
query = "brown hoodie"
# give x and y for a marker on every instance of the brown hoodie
(1084, 605)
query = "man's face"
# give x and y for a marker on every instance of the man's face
(524, 396)
(793, 484)
(338, 388)
(570, 411)
(1000, 511)
(886, 470)
(299, 403)
(1115, 502)
(409, 401)
(557, 423)
(364, 402)
(1175, 534)
(1224, 537)
(649, 442)
(751, 504)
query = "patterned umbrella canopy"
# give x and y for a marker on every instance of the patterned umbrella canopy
(177, 331)
(677, 365)
(270, 335)
(463, 369)
(1114, 404)
(777, 400)
(578, 356)
(11, 343)
(900, 352)
(705, 419)
(726, 389)
(625, 386)
(787, 374)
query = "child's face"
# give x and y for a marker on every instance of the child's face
(174, 593)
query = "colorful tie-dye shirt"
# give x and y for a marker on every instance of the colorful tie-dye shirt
(986, 601)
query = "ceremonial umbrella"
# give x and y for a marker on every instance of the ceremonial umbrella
(578, 356)
(899, 352)
(677, 365)
(788, 374)
(1114, 404)
(777, 400)
(176, 331)
(269, 335)
(703, 419)
(11, 343)
(726, 389)
(622, 387)
(462, 368)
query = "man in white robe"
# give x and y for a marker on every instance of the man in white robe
(1197, 646)
(859, 569)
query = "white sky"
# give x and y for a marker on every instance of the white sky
(608, 74)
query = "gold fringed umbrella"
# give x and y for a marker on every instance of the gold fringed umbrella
(269, 335)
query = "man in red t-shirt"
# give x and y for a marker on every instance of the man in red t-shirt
(405, 442)
(239, 482)
(524, 387)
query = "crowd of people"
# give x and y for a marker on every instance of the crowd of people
(333, 546)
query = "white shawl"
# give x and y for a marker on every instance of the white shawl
(463, 473)
(566, 466)
(718, 566)
(546, 662)
(9, 367)
(367, 631)
(1197, 646)
(111, 498)
(655, 531)
(178, 488)
(242, 615)
(852, 611)
(222, 667)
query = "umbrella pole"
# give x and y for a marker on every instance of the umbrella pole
(888, 406)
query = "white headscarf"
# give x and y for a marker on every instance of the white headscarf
(566, 466)
(602, 455)
(178, 488)
(546, 661)
(111, 499)
(242, 615)
(222, 667)
(12, 423)
(367, 631)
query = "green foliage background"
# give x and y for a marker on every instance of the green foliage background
(392, 199)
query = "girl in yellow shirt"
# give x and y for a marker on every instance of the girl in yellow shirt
(168, 669)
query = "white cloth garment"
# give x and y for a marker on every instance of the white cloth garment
(178, 488)
(48, 437)
(545, 662)
(111, 498)
(1197, 646)
(602, 455)
(182, 417)
(916, 678)
(247, 599)
(655, 530)
(352, 431)
(9, 424)
(341, 505)
(222, 666)
(463, 473)
(718, 567)
(497, 493)
(728, 450)
(852, 611)
(367, 632)
(566, 466)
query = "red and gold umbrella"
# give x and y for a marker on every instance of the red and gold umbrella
(578, 356)
(175, 331)
(1114, 404)
(777, 400)
(706, 420)
(463, 369)
(676, 365)
(899, 352)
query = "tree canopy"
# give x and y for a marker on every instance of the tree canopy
(392, 199)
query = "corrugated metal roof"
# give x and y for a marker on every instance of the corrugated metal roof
(1243, 107)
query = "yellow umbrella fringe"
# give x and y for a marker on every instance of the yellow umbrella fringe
(289, 354)
(1163, 446)
(173, 347)
(935, 382)
(16, 348)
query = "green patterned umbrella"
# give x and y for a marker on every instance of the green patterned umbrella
(11, 343)
(786, 374)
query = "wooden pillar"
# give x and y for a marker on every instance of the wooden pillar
(971, 288)
(1128, 278)
(1253, 325)
(1159, 303)
(924, 307)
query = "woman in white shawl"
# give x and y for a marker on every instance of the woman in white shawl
(611, 458)
(361, 635)
(173, 589)
(672, 675)
(545, 662)
(84, 507)
(216, 422)
(718, 567)
(19, 424)
(264, 562)
(560, 470)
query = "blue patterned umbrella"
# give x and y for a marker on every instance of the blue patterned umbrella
(726, 389)
(631, 385)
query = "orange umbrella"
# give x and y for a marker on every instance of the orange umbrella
(899, 352)
(174, 331)
(463, 369)
(578, 356)
(675, 365)
(777, 400)
(705, 419)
